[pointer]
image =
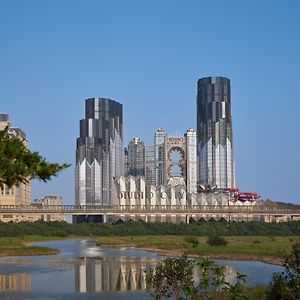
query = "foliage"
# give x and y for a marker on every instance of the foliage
(18, 164)
(214, 240)
(286, 285)
(193, 240)
(171, 277)
(174, 277)
(156, 229)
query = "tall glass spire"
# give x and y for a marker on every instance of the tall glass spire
(99, 153)
(214, 132)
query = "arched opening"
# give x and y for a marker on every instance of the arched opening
(176, 156)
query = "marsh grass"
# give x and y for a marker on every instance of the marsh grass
(236, 246)
(16, 246)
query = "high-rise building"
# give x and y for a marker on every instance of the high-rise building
(214, 133)
(126, 170)
(136, 157)
(100, 152)
(17, 195)
(160, 139)
(150, 165)
(140, 160)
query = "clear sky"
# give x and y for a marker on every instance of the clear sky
(148, 55)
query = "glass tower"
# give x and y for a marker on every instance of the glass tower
(136, 157)
(99, 153)
(214, 133)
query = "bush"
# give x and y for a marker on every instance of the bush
(216, 241)
(286, 285)
(193, 240)
(173, 278)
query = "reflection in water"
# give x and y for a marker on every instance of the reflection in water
(111, 274)
(87, 272)
(121, 274)
(19, 282)
(229, 272)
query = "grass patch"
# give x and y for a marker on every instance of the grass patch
(237, 245)
(16, 246)
(253, 293)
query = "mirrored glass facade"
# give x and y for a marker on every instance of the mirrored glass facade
(214, 133)
(100, 152)
(136, 157)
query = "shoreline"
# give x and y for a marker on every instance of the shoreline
(50, 251)
(272, 260)
(29, 250)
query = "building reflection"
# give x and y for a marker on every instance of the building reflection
(19, 282)
(109, 274)
(121, 274)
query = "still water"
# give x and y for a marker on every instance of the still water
(83, 270)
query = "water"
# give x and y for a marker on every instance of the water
(84, 271)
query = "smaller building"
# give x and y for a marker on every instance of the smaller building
(16, 195)
(176, 159)
(150, 165)
(48, 200)
(136, 157)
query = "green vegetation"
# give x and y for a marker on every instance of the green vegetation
(215, 240)
(17, 246)
(193, 240)
(286, 285)
(256, 243)
(18, 164)
(64, 229)
(237, 247)
(173, 277)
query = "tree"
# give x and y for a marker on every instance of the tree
(171, 277)
(18, 164)
(286, 285)
(174, 277)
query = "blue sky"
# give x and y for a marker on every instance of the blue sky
(148, 55)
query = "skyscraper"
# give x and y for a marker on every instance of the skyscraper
(214, 132)
(100, 152)
(160, 139)
(136, 157)
(150, 165)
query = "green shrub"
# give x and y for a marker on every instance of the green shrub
(215, 240)
(286, 285)
(193, 240)
(173, 278)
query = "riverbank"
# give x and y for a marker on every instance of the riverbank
(266, 249)
(16, 246)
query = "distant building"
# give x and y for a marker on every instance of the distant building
(126, 169)
(136, 157)
(160, 138)
(214, 133)
(48, 200)
(17, 195)
(99, 153)
(133, 191)
(176, 159)
(150, 165)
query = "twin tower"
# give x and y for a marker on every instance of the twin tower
(203, 158)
